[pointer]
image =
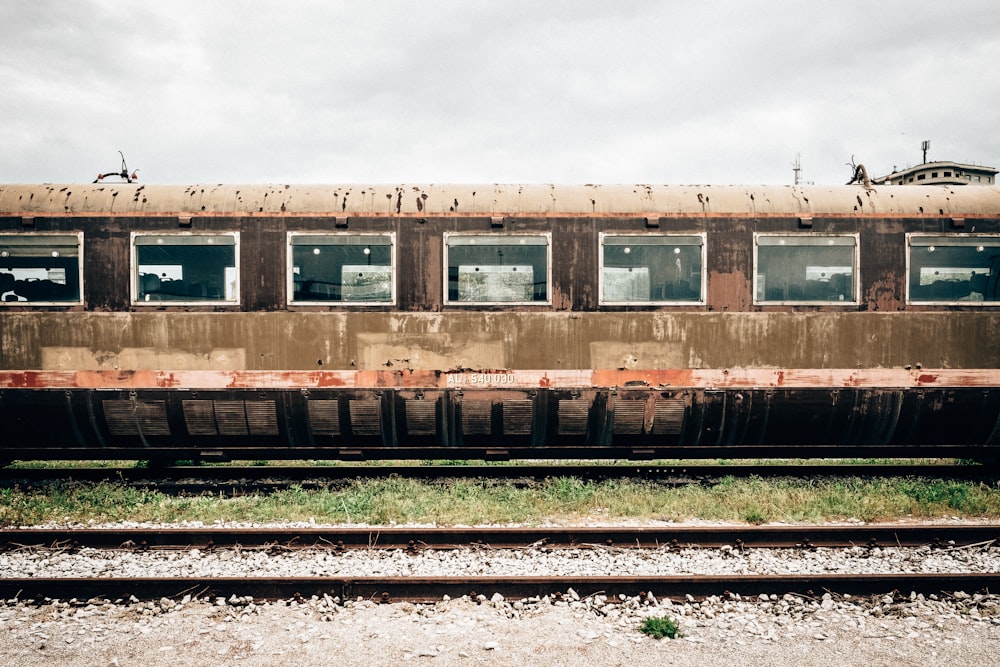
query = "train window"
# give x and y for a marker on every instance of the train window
(490, 268)
(813, 268)
(348, 268)
(185, 268)
(652, 269)
(953, 268)
(42, 269)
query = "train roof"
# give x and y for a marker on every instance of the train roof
(495, 199)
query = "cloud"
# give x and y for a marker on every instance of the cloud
(718, 91)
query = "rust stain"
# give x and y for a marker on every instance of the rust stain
(326, 379)
(139, 378)
(729, 291)
(17, 381)
(883, 295)
(501, 379)
(621, 378)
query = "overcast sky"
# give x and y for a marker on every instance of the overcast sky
(719, 92)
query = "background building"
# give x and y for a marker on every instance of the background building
(941, 173)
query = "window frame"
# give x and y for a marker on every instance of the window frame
(855, 269)
(703, 278)
(78, 235)
(134, 270)
(930, 235)
(290, 269)
(497, 239)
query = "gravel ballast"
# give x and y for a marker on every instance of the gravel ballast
(786, 630)
(592, 561)
(779, 629)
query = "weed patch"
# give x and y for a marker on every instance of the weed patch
(659, 627)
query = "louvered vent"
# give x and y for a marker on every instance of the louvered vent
(668, 417)
(421, 417)
(573, 416)
(517, 417)
(629, 417)
(262, 418)
(135, 418)
(231, 418)
(199, 417)
(324, 416)
(366, 417)
(477, 418)
(994, 438)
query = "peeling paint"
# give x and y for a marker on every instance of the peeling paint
(81, 358)
(297, 341)
(729, 291)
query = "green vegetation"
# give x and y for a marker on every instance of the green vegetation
(121, 464)
(659, 627)
(481, 501)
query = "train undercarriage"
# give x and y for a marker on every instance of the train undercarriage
(498, 415)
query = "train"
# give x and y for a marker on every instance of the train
(496, 321)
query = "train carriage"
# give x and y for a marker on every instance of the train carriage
(498, 321)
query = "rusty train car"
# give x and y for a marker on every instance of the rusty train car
(498, 321)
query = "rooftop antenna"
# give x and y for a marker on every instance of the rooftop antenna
(924, 145)
(121, 174)
(797, 167)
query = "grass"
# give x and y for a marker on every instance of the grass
(479, 501)
(659, 627)
(121, 464)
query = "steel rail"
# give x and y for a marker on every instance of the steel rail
(415, 538)
(427, 589)
(189, 477)
(497, 453)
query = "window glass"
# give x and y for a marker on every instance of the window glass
(192, 268)
(805, 269)
(40, 268)
(653, 268)
(352, 268)
(497, 269)
(953, 268)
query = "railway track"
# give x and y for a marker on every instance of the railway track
(492, 541)
(256, 478)
(431, 589)
(504, 538)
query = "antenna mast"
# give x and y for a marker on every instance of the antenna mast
(797, 167)
(924, 145)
